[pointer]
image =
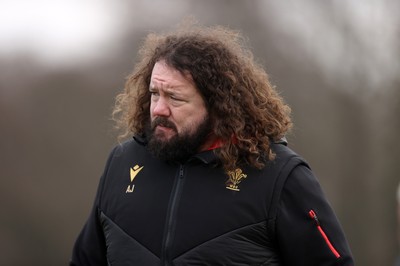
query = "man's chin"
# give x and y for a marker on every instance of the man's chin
(167, 144)
(162, 136)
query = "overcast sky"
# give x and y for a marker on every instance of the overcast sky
(57, 30)
(342, 36)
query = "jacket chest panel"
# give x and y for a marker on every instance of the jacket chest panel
(208, 209)
(138, 194)
(139, 206)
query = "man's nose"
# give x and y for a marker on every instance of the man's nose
(161, 108)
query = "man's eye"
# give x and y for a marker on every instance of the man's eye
(175, 98)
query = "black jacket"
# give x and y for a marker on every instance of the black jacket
(148, 212)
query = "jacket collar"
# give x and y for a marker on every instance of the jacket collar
(208, 156)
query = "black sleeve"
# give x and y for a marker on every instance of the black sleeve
(90, 247)
(308, 232)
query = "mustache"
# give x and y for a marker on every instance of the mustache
(164, 122)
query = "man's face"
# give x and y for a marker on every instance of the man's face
(177, 111)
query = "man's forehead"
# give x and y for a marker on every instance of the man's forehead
(161, 66)
(164, 85)
(165, 77)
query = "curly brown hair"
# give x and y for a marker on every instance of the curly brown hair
(246, 111)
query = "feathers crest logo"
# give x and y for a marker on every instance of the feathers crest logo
(235, 177)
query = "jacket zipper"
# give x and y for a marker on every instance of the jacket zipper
(313, 215)
(171, 219)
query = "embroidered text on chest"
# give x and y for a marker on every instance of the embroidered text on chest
(133, 172)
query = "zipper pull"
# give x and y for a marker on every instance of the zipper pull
(314, 216)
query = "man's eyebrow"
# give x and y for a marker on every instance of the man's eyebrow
(167, 89)
(159, 86)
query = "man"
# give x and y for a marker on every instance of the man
(207, 178)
